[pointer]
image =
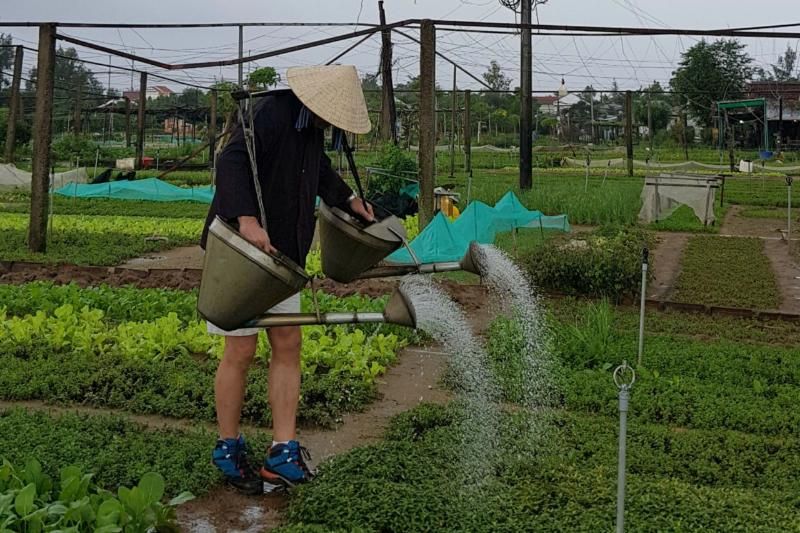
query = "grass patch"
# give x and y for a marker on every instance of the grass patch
(767, 212)
(97, 240)
(684, 219)
(103, 206)
(731, 271)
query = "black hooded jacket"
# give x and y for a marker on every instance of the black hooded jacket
(292, 169)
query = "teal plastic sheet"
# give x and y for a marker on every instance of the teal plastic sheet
(443, 240)
(147, 189)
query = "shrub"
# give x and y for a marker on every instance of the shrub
(604, 263)
(68, 147)
(396, 162)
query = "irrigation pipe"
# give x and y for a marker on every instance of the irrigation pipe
(624, 377)
(642, 303)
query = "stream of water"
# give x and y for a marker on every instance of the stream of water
(444, 320)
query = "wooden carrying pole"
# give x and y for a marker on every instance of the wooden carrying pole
(141, 105)
(212, 131)
(388, 109)
(427, 122)
(14, 106)
(127, 122)
(42, 132)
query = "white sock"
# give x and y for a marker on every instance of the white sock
(279, 442)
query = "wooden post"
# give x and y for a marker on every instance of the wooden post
(77, 128)
(142, 104)
(42, 131)
(14, 106)
(629, 131)
(212, 131)
(127, 122)
(453, 104)
(730, 135)
(388, 108)
(526, 101)
(467, 132)
(427, 121)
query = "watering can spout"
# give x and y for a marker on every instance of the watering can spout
(473, 261)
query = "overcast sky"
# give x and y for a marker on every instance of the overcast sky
(631, 61)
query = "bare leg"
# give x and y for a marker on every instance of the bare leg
(230, 383)
(284, 380)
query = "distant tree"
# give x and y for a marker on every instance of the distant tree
(786, 67)
(495, 78)
(69, 75)
(263, 78)
(710, 72)
(660, 107)
(6, 58)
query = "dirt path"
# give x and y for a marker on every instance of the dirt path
(737, 225)
(666, 259)
(184, 257)
(786, 274)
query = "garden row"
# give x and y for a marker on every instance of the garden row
(145, 351)
(712, 445)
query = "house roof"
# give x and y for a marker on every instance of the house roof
(545, 100)
(774, 89)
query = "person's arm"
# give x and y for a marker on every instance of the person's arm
(335, 192)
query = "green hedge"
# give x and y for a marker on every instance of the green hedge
(606, 262)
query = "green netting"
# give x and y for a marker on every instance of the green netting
(443, 240)
(147, 189)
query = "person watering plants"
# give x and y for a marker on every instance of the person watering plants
(292, 169)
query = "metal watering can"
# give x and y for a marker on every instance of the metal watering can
(241, 282)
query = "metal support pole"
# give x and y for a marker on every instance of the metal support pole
(388, 109)
(624, 377)
(526, 97)
(645, 261)
(467, 133)
(42, 137)
(779, 144)
(14, 106)
(241, 54)
(453, 104)
(650, 119)
(127, 122)
(629, 131)
(427, 122)
(142, 104)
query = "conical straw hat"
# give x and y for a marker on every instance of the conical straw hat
(333, 93)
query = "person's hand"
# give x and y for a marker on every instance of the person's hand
(357, 206)
(253, 232)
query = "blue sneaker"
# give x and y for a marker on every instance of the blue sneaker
(230, 456)
(285, 465)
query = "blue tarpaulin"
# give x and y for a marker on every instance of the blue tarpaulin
(443, 240)
(147, 189)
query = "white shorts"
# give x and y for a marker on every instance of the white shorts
(289, 305)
